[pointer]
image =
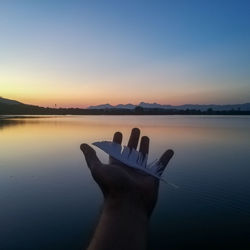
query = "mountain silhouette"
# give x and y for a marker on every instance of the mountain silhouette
(12, 107)
(242, 107)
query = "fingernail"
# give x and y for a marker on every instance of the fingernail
(171, 152)
(136, 130)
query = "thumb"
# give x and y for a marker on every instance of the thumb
(90, 156)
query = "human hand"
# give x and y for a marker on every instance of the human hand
(122, 185)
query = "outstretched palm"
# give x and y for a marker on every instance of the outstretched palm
(121, 182)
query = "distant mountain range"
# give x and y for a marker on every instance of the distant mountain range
(12, 107)
(242, 107)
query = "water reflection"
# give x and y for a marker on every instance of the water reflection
(7, 123)
(49, 200)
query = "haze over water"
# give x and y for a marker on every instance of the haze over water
(49, 200)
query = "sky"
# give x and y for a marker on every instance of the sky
(81, 53)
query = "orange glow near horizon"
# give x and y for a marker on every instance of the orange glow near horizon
(77, 101)
(174, 83)
(46, 90)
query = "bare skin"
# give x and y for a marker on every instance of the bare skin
(129, 197)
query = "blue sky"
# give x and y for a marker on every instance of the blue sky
(80, 53)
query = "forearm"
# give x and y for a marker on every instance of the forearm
(122, 225)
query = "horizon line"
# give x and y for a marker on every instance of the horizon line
(87, 106)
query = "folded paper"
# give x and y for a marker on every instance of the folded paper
(131, 158)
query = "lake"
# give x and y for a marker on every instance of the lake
(49, 200)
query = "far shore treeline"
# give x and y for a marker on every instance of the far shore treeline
(24, 109)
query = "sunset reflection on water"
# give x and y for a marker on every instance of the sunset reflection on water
(48, 197)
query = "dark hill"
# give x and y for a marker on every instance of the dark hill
(8, 101)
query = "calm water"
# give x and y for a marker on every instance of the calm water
(49, 200)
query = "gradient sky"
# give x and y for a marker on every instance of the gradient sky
(80, 53)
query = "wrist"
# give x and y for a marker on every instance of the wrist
(126, 205)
